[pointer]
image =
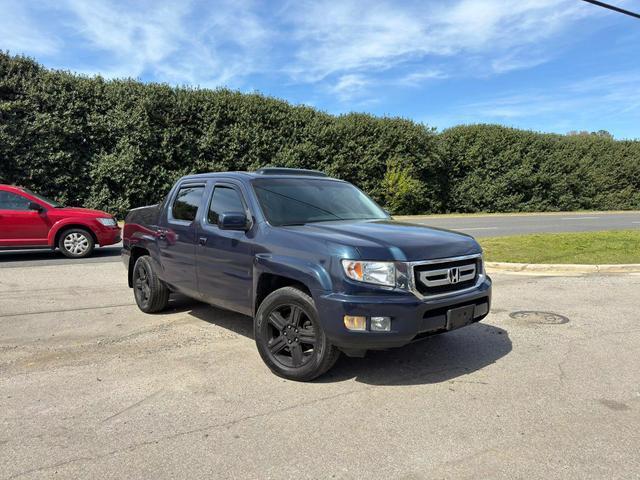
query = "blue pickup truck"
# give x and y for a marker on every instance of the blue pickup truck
(318, 264)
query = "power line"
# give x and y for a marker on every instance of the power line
(614, 8)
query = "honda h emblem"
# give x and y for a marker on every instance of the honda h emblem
(453, 275)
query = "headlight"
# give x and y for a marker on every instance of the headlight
(107, 222)
(380, 273)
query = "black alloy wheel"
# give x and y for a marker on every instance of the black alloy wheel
(290, 338)
(151, 294)
(142, 284)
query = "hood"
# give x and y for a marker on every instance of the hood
(75, 211)
(391, 240)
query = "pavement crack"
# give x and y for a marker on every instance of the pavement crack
(163, 438)
(133, 405)
(66, 310)
(47, 467)
(474, 382)
(562, 375)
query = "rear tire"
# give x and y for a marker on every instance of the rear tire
(151, 294)
(76, 243)
(289, 336)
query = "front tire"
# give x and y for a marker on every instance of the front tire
(76, 243)
(151, 294)
(289, 336)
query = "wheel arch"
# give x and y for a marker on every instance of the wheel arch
(55, 234)
(272, 273)
(270, 282)
(136, 253)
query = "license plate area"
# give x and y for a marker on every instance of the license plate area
(459, 317)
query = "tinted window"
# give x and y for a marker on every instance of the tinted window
(12, 201)
(53, 203)
(225, 199)
(186, 203)
(295, 201)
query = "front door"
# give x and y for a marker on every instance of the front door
(225, 257)
(19, 226)
(177, 238)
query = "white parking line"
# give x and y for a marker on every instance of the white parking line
(478, 228)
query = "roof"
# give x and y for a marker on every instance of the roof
(12, 188)
(263, 173)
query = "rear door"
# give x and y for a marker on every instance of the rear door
(177, 237)
(225, 257)
(19, 226)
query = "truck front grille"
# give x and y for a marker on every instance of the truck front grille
(446, 275)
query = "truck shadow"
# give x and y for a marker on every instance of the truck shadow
(435, 359)
(55, 257)
(232, 321)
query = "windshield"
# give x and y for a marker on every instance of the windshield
(53, 203)
(296, 201)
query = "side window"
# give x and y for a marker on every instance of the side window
(13, 201)
(224, 199)
(186, 204)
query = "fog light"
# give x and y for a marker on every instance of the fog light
(355, 323)
(381, 324)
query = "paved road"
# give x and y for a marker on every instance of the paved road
(92, 388)
(478, 226)
(499, 225)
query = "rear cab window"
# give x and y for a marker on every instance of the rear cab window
(186, 203)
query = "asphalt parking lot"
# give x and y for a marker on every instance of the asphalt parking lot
(91, 387)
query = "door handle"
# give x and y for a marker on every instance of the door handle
(202, 241)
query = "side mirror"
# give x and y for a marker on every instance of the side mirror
(233, 221)
(35, 207)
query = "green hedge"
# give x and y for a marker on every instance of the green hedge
(119, 144)
(497, 169)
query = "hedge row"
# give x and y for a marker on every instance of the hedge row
(119, 144)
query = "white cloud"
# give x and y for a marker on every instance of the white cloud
(342, 45)
(136, 39)
(355, 35)
(349, 86)
(605, 101)
(172, 40)
(20, 33)
(415, 79)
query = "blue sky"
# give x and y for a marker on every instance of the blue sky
(548, 65)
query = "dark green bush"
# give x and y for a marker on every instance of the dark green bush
(120, 144)
(497, 169)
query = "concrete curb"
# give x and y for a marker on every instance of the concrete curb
(560, 268)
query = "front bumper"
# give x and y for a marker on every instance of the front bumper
(411, 317)
(108, 235)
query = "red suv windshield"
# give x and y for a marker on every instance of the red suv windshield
(46, 200)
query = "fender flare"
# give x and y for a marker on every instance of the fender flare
(138, 237)
(312, 275)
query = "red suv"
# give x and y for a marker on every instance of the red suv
(28, 220)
